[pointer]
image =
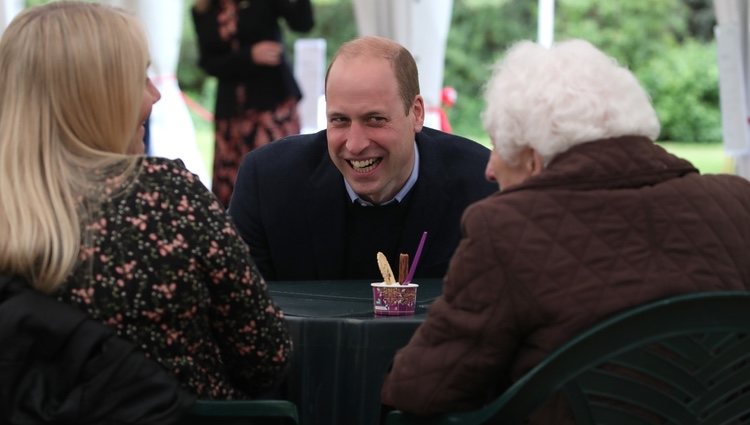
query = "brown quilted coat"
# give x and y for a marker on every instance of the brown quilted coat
(606, 226)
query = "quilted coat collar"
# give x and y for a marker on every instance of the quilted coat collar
(628, 161)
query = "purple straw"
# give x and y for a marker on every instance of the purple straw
(416, 259)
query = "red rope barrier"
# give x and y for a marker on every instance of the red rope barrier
(197, 109)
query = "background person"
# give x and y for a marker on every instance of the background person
(321, 206)
(592, 218)
(138, 243)
(240, 43)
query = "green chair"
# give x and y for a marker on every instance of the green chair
(682, 360)
(242, 412)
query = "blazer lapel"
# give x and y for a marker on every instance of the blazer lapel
(326, 197)
(428, 204)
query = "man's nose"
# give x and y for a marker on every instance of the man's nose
(357, 140)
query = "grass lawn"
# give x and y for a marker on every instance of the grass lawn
(708, 158)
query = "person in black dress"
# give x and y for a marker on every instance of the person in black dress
(240, 43)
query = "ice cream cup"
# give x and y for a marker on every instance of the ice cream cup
(394, 299)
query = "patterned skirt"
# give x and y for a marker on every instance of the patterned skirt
(238, 135)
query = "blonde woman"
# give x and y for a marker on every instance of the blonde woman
(138, 243)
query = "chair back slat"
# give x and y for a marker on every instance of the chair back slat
(663, 369)
(605, 389)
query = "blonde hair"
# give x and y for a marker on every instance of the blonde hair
(551, 99)
(72, 83)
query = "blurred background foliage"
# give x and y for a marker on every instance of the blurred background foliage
(668, 44)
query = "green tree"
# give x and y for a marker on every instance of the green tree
(685, 92)
(667, 44)
(632, 31)
(479, 33)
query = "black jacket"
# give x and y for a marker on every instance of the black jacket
(289, 205)
(58, 366)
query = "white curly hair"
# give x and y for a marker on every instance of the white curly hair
(551, 99)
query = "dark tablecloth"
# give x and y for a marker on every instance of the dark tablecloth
(341, 349)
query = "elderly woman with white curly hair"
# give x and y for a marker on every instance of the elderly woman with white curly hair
(592, 217)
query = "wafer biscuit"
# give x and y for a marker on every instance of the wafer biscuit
(385, 269)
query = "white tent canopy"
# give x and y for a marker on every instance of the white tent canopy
(8, 9)
(546, 23)
(732, 35)
(421, 27)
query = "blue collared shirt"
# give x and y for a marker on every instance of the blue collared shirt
(401, 193)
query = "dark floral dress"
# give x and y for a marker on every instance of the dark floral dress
(165, 267)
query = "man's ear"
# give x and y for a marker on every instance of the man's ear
(417, 108)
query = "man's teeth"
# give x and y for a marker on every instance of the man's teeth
(364, 165)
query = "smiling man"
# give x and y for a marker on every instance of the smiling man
(320, 206)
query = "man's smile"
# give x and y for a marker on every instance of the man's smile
(365, 165)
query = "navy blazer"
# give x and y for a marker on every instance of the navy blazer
(289, 204)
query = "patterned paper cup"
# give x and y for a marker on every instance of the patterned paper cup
(394, 300)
